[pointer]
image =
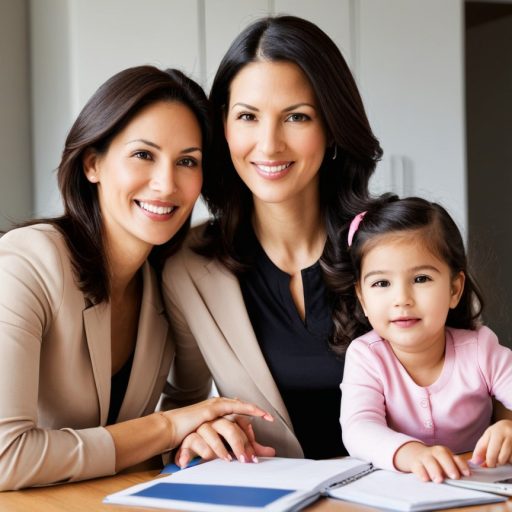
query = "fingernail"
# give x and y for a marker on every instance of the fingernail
(466, 472)
(453, 476)
(255, 459)
(229, 457)
(241, 458)
(476, 460)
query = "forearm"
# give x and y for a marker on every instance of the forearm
(140, 439)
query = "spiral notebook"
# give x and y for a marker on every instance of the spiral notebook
(278, 484)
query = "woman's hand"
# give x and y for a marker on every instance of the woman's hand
(210, 439)
(494, 448)
(185, 420)
(430, 462)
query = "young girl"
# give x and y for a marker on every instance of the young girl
(419, 387)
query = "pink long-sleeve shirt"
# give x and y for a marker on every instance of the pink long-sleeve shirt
(382, 408)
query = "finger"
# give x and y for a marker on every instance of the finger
(214, 441)
(236, 439)
(505, 451)
(193, 445)
(462, 465)
(493, 449)
(223, 406)
(434, 470)
(420, 471)
(259, 449)
(449, 467)
(480, 450)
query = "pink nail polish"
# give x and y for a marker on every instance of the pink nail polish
(242, 458)
(255, 459)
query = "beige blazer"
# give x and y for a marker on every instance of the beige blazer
(55, 366)
(206, 307)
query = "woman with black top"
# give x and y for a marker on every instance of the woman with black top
(293, 154)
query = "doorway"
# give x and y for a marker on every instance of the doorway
(489, 157)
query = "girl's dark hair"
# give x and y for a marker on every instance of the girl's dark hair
(434, 227)
(108, 111)
(343, 181)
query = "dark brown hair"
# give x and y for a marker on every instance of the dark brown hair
(343, 181)
(108, 111)
(427, 222)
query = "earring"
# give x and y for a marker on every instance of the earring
(335, 154)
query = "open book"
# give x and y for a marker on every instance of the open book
(278, 484)
(497, 480)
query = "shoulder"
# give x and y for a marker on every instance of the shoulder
(38, 243)
(368, 343)
(37, 257)
(482, 336)
(187, 261)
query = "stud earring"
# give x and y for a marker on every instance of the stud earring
(335, 154)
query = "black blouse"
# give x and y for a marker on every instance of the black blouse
(118, 386)
(306, 371)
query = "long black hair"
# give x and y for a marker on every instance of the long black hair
(107, 112)
(431, 225)
(343, 181)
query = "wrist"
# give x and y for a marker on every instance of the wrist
(406, 455)
(168, 429)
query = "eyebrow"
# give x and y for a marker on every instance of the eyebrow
(412, 269)
(287, 109)
(191, 149)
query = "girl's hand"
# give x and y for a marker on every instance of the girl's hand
(210, 439)
(494, 448)
(185, 420)
(430, 462)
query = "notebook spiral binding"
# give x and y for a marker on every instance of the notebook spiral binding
(346, 481)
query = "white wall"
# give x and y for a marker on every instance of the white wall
(15, 133)
(410, 64)
(406, 54)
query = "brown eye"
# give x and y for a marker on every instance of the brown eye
(142, 155)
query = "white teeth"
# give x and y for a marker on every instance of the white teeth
(273, 168)
(160, 210)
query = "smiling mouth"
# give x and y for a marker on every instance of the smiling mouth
(405, 322)
(158, 210)
(272, 169)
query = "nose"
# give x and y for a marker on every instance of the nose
(403, 295)
(163, 179)
(271, 137)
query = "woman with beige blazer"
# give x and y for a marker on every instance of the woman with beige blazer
(255, 289)
(85, 347)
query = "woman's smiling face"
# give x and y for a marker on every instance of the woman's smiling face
(275, 131)
(150, 176)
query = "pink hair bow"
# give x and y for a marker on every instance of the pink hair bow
(354, 226)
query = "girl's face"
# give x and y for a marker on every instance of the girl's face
(150, 177)
(406, 292)
(275, 131)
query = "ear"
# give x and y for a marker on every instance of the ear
(456, 289)
(90, 161)
(360, 297)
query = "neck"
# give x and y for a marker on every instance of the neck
(292, 235)
(124, 265)
(424, 365)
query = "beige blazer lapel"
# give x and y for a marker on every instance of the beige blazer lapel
(221, 291)
(151, 340)
(97, 331)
